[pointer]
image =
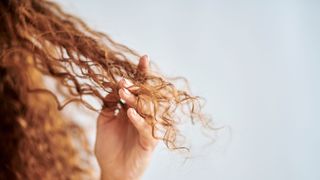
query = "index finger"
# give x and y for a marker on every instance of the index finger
(144, 64)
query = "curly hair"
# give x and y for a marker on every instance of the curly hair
(38, 40)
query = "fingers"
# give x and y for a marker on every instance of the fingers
(125, 83)
(128, 97)
(137, 121)
(147, 142)
(126, 92)
(144, 64)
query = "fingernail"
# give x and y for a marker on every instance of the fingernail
(147, 59)
(133, 112)
(126, 91)
(122, 101)
(127, 83)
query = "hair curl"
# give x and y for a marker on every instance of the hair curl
(38, 39)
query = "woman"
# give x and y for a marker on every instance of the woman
(41, 45)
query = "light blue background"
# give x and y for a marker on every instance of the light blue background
(256, 62)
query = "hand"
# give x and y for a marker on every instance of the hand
(124, 142)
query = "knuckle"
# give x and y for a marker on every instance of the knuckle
(146, 144)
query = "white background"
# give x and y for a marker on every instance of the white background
(256, 62)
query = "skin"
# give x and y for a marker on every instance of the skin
(124, 146)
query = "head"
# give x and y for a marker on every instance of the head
(39, 40)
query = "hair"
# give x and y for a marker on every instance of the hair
(38, 40)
